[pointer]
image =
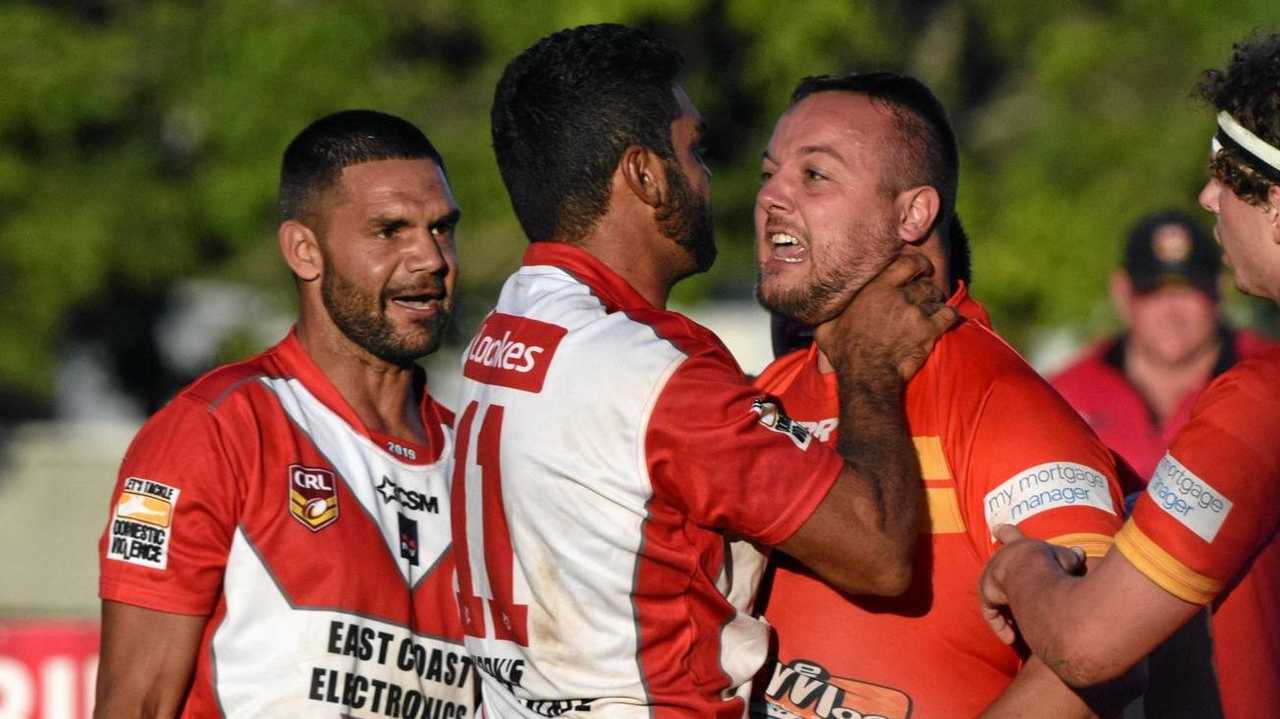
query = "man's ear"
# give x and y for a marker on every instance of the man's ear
(301, 250)
(1121, 294)
(917, 209)
(645, 175)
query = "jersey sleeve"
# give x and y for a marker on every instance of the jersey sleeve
(725, 454)
(1214, 499)
(1037, 465)
(172, 515)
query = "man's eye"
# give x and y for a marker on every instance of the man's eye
(765, 175)
(814, 175)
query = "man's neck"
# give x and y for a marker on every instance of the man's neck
(1165, 384)
(383, 395)
(651, 265)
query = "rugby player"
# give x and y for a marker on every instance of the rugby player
(279, 541)
(860, 168)
(608, 448)
(1204, 531)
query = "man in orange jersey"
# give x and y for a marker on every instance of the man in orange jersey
(859, 170)
(1212, 507)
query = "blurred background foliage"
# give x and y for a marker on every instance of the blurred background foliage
(140, 141)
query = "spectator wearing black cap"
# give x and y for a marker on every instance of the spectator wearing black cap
(1137, 389)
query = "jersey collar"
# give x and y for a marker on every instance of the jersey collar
(615, 292)
(298, 364)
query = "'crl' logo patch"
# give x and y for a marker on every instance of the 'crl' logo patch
(313, 496)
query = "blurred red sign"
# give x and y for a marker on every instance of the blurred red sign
(47, 668)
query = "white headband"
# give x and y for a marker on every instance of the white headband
(1258, 149)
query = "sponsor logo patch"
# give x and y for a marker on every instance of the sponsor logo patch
(1188, 498)
(805, 690)
(408, 539)
(407, 498)
(512, 352)
(773, 418)
(821, 429)
(142, 522)
(1052, 485)
(313, 496)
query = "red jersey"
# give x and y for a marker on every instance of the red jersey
(320, 551)
(1099, 390)
(1213, 507)
(996, 445)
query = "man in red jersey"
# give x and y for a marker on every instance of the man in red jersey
(1212, 507)
(279, 540)
(1136, 390)
(860, 169)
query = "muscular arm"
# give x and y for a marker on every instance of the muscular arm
(861, 537)
(146, 661)
(1088, 629)
(1037, 686)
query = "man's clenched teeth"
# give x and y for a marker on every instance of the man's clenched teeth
(787, 247)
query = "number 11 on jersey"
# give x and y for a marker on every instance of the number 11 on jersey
(511, 620)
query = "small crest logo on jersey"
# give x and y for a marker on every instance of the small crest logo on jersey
(512, 352)
(773, 418)
(408, 539)
(142, 522)
(313, 496)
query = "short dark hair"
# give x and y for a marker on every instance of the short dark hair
(1248, 90)
(314, 160)
(959, 258)
(926, 152)
(564, 112)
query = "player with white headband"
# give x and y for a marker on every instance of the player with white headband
(1204, 532)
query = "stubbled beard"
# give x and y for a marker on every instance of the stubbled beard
(811, 304)
(686, 220)
(363, 319)
(828, 289)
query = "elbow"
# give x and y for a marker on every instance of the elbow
(894, 578)
(1084, 660)
(888, 578)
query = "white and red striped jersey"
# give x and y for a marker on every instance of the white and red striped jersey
(607, 451)
(319, 550)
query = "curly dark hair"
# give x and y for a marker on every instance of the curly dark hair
(1249, 90)
(564, 112)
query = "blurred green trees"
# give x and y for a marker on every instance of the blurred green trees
(139, 141)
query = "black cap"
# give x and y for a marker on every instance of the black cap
(1170, 248)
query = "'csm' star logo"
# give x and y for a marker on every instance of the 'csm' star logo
(408, 498)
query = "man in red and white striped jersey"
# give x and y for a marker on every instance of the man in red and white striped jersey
(608, 449)
(279, 540)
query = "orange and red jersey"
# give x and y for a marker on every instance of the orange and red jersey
(996, 445)
(1212, 507)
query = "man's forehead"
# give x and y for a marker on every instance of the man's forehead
(397, 180)
(830, 118)
(688, 111)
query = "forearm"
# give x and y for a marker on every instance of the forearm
(1037, 691)
(876, 444)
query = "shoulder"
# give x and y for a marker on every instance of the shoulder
(1249, 343)
(778, 376)
(685, 335)
(1253, 385)
(213, 393)
(976, 356)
